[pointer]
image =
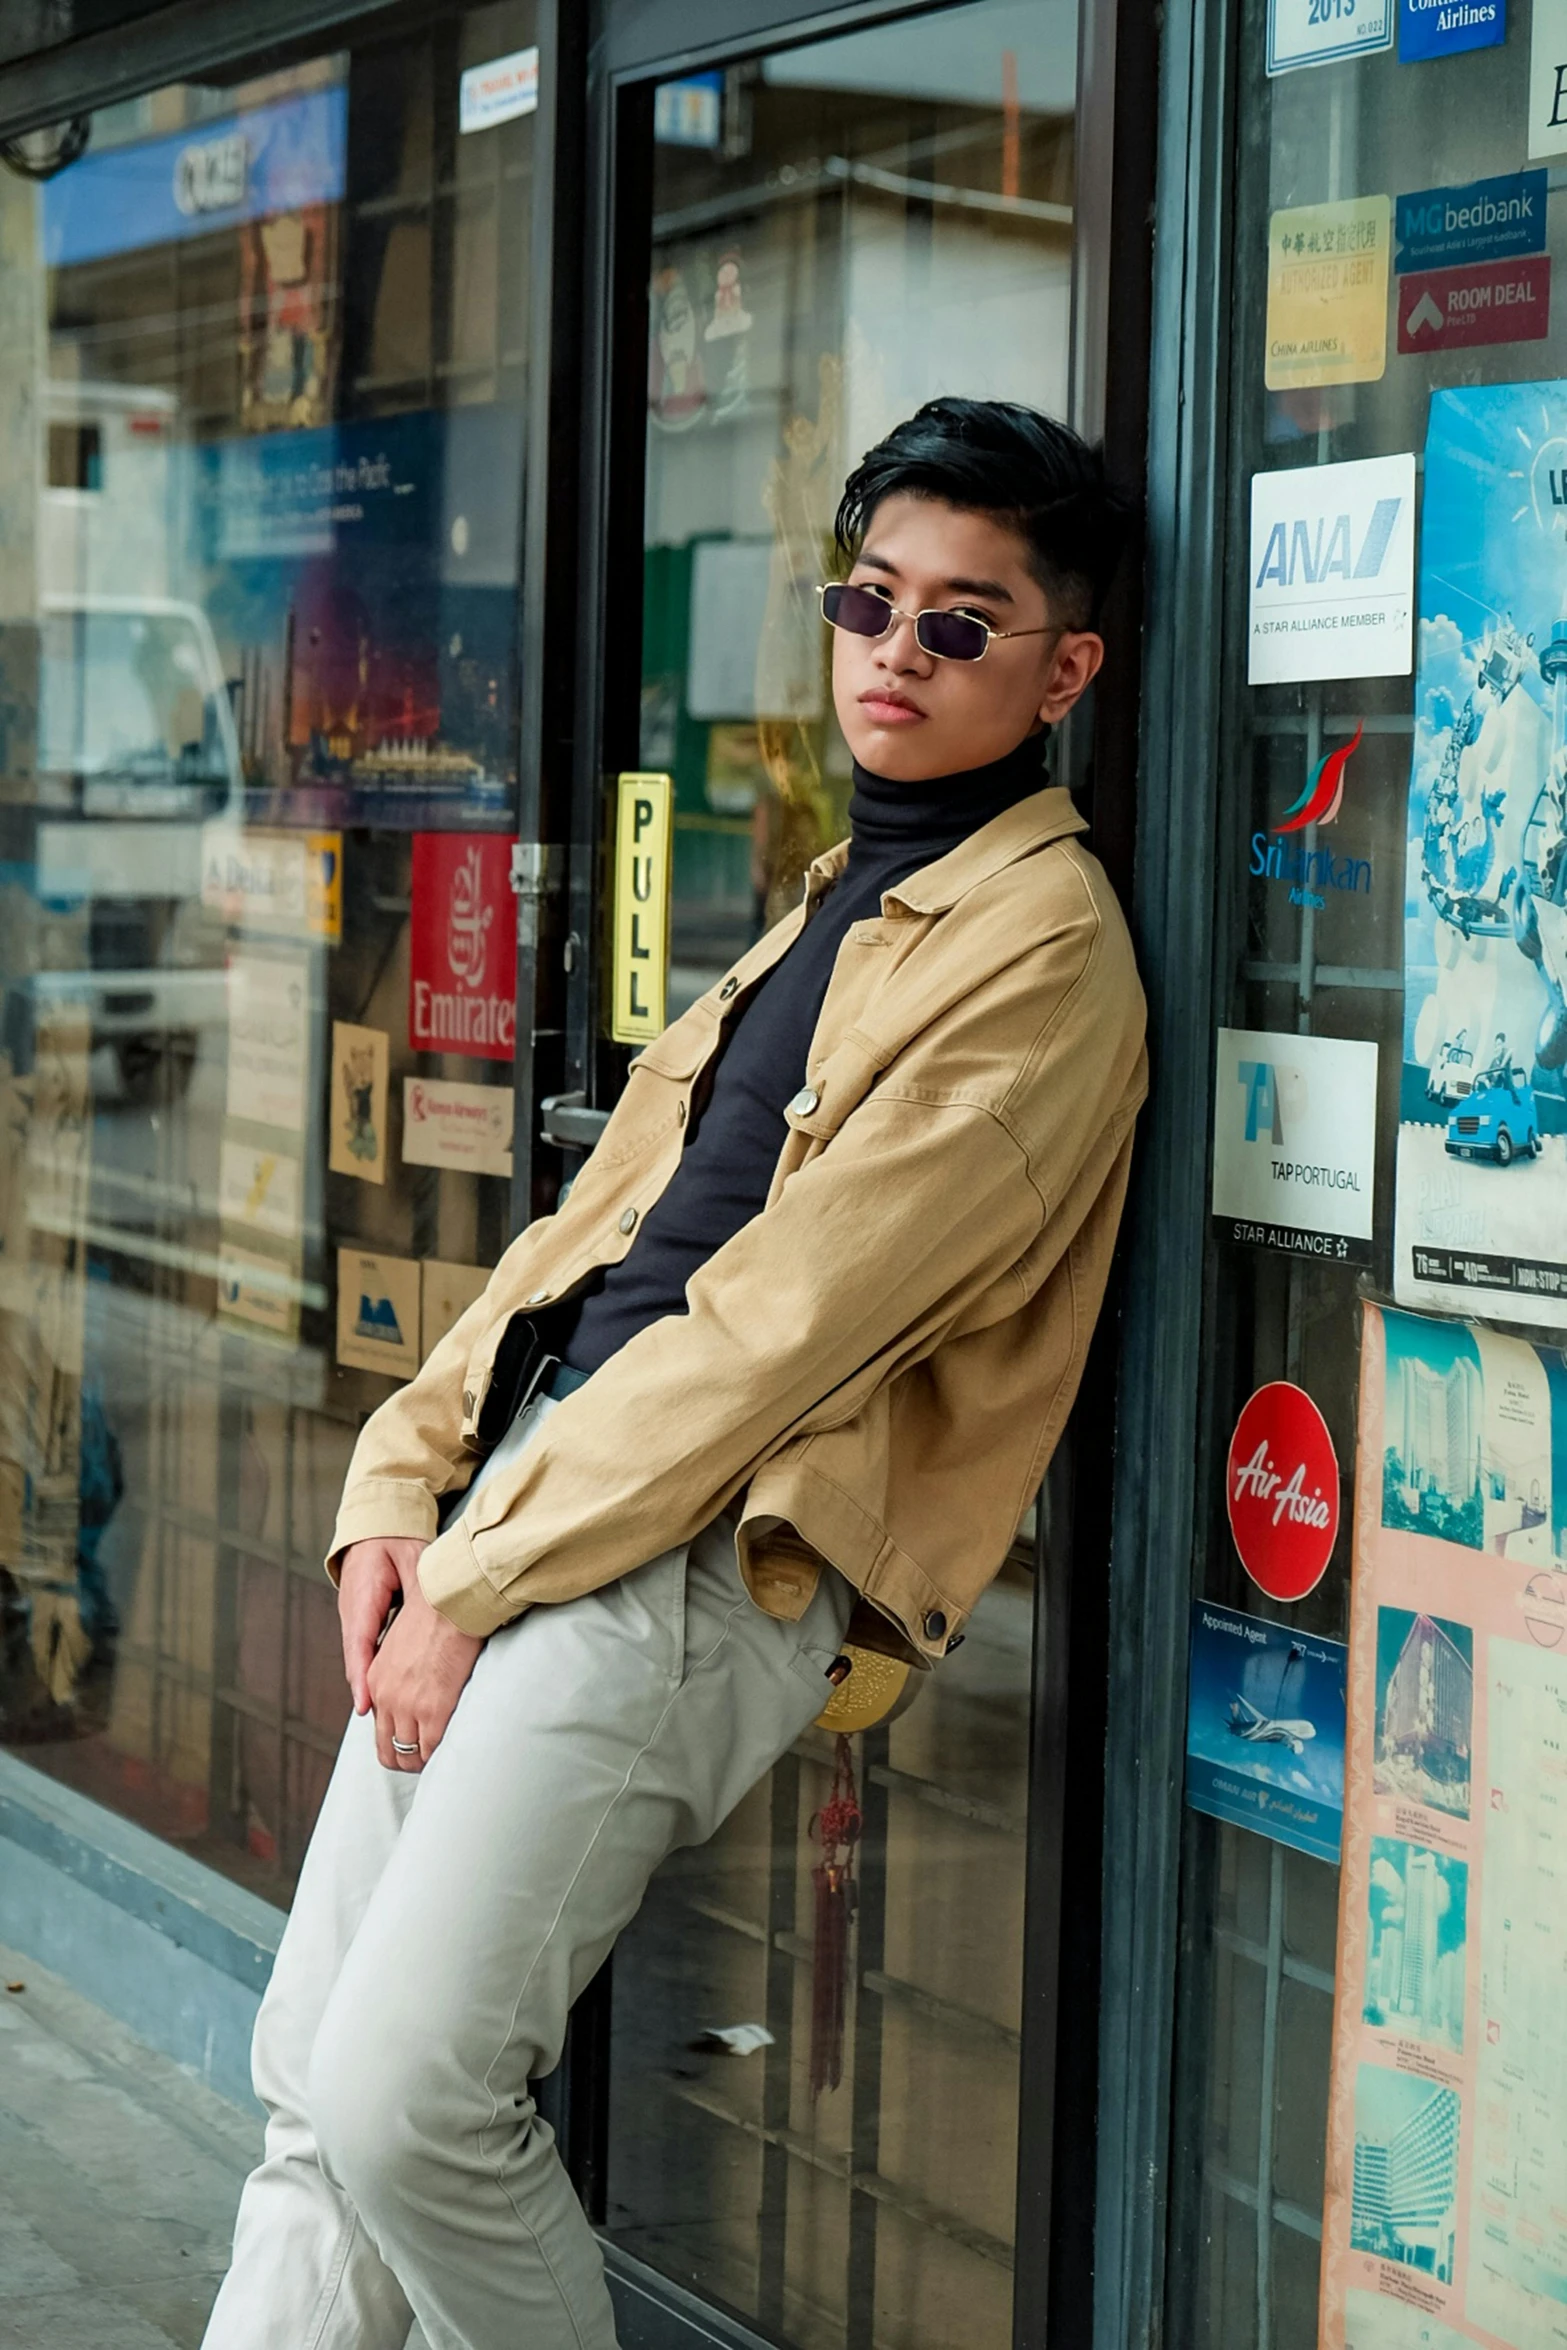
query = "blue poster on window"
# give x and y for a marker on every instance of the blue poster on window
(1481, 1186)
(1265, 1728)
(1438, 28)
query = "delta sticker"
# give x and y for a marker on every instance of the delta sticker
(462, 977)
(1454, 309)
(1282, 1491)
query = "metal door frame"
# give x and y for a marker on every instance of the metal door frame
(635, 44)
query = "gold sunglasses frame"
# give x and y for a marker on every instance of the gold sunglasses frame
(992, 635)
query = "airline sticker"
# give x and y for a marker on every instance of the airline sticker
(448, 1124)
(462, 984)
(1548, 78)
(378, 1313)
(447, 1293)
(356, 1113)
(498, 92)
(256, 1292)
(1496, 302)
(288, 882)
(1439, 28)
(1265, 1718)
(1332, 571)
(1316, 32)
(1486, 220)
(269, 1039)
(1327, 293)
(259, 1188)
(1281, 1490)
(1294, 1143)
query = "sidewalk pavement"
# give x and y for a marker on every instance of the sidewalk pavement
(119, 2179)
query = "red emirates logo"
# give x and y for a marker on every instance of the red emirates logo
(1282, 1491)
(463, 955)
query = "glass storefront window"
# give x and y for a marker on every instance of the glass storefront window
(1323, 157)
(840, 231)
(261, 382)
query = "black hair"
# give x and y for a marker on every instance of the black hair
(999, 458)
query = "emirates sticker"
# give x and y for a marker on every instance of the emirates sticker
(1282, 1491)
(462, 983)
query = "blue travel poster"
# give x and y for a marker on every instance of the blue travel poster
(1265, 1728)
(1481, 1184)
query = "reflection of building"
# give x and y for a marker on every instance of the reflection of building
(1440, 1435)
(1430, 1695)
(1406, 2188)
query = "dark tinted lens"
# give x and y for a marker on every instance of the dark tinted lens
(856, 609)
(951, 636)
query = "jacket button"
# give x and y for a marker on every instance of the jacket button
(467, 1404)
(628, 1220)
(680, 1113)
(956, 1641)
(727, 990)
(805, 1101)
(538, 1298)
(935, 1625)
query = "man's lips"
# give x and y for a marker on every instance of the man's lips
(889, 708)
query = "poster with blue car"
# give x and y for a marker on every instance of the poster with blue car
(1481, 1185)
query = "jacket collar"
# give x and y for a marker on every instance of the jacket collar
(1045, 816)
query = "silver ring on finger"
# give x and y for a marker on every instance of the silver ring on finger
(399, 1748)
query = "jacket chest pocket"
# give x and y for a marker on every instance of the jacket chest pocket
(834, 1087)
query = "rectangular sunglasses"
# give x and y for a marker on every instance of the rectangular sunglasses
(946, 636)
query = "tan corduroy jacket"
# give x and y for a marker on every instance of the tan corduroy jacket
(882, 1360)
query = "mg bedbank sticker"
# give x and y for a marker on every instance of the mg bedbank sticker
(1294, 1142)
(462, 983)
(1282, 1491)
(1332, 571)
(1485, 220)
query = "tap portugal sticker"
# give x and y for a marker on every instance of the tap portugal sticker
(1281, 1490)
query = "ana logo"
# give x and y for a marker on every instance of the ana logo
(1264, 1111)
(1323, 796)
(1302, 554)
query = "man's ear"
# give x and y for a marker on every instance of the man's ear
(1079, 656)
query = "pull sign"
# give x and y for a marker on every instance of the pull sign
(644, 836)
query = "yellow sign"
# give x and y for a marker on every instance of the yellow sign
(644, 838)
(1327, 293)
(324, 885)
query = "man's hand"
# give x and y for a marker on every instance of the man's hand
(416, 1677)
(372, 1578)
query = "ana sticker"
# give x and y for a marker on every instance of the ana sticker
(1282, 1491)
(1332, 571)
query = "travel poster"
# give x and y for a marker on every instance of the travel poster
(1446, 2209)
(1265, 1728)
(1481, 1184)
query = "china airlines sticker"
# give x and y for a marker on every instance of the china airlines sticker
(1282, 1491)
(462, 981)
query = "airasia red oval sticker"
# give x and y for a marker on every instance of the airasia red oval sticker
(1283, 1490)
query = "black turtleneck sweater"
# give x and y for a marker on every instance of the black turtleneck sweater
(732, 1147)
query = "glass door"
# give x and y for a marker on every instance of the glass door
(839, 232)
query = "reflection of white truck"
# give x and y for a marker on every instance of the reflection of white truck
(137, 753)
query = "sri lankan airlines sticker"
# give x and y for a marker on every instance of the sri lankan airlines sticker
(1332, 571)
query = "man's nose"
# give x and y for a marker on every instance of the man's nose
(901, 651)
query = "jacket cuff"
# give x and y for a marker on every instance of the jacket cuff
(455, 1584)
(384, 1508)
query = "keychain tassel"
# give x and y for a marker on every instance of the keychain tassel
(836, 1827)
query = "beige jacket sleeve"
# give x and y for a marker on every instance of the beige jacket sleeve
(938, 1185)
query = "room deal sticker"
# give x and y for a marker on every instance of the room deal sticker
(1282, 1491)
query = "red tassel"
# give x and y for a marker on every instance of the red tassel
(837, 1829)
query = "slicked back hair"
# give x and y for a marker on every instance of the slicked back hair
(1026, 471)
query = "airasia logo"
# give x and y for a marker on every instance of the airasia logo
(1282, 1491)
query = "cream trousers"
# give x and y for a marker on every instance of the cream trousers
(444, 1923)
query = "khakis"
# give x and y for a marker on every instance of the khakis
(443, 1924)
